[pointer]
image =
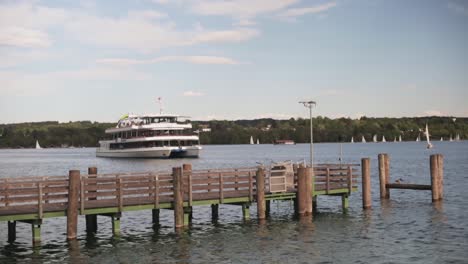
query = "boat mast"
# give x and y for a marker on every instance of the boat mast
(160, 105)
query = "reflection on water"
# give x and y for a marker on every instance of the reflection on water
(407, 228)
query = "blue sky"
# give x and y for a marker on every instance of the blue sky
(96, 60)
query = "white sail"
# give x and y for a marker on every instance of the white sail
(352, 139)
(37, 145)
(458, 137)
(258, 141)
(451, 139)
(418, 139)
(363, 140)
(251, 140)
(383, 139)
(374, 138)
(394, 139)
(399, 138)
(429, 145)
(441, 139)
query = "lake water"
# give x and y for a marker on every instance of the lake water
(408, 228)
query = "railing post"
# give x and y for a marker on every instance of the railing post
(155, 212)
(187, 172)
(72, 210)
(383, 177)
(366, 183)
(178, 203)
(260, 181)
(437, 170)
(91, 220)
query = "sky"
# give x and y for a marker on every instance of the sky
(73, 60)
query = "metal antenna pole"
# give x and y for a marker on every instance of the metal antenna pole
(310, 104)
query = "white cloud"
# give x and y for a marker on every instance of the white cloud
(29, 25)
(145, 34)
(187, 59)
(294, 12)
(25, 25)
(244, 11)
(239, 8)
(192, 94)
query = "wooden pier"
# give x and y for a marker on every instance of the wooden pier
(30, 200)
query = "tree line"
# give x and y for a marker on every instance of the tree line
(87, 133)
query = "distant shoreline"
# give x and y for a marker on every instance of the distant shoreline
(87, 134)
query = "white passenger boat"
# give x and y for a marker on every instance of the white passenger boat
(150, 136)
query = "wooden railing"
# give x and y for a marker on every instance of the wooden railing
(49, 194)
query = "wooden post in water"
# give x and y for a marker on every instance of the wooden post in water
(437, 174)
(11, 231)
(72, 209)
(178, 203)
(260, 181)
(91, 220)
(188, 211)
(36, 230)
(309, 190)
(384, 165)
(304, 193)
(366, 183)
(441, 176)
(214, 212)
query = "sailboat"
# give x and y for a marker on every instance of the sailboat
(363, 140)
(457, 138)
(429, 144)
(441, 139)
(394, 139)
(258, 141)
(352, 139)
(451, 139)
(383, 139)
(418, 139)
(37, 145)
(399, 138)
(251, 140)
(374, 138)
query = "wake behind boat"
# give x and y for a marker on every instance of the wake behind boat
(150, 136)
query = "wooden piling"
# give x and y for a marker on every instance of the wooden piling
(309, 190)
(36, 231)
(214, 212)
(304, 191)
(155, 216)
(115, 218)
(72, 209)
(384, 165)
(441, 176)
(91, 220)
(11, 231)
(366, 183)
(436, 165)
(260, 181)
(178, 203)
(246, 211)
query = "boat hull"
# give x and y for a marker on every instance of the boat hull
(163, 153)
